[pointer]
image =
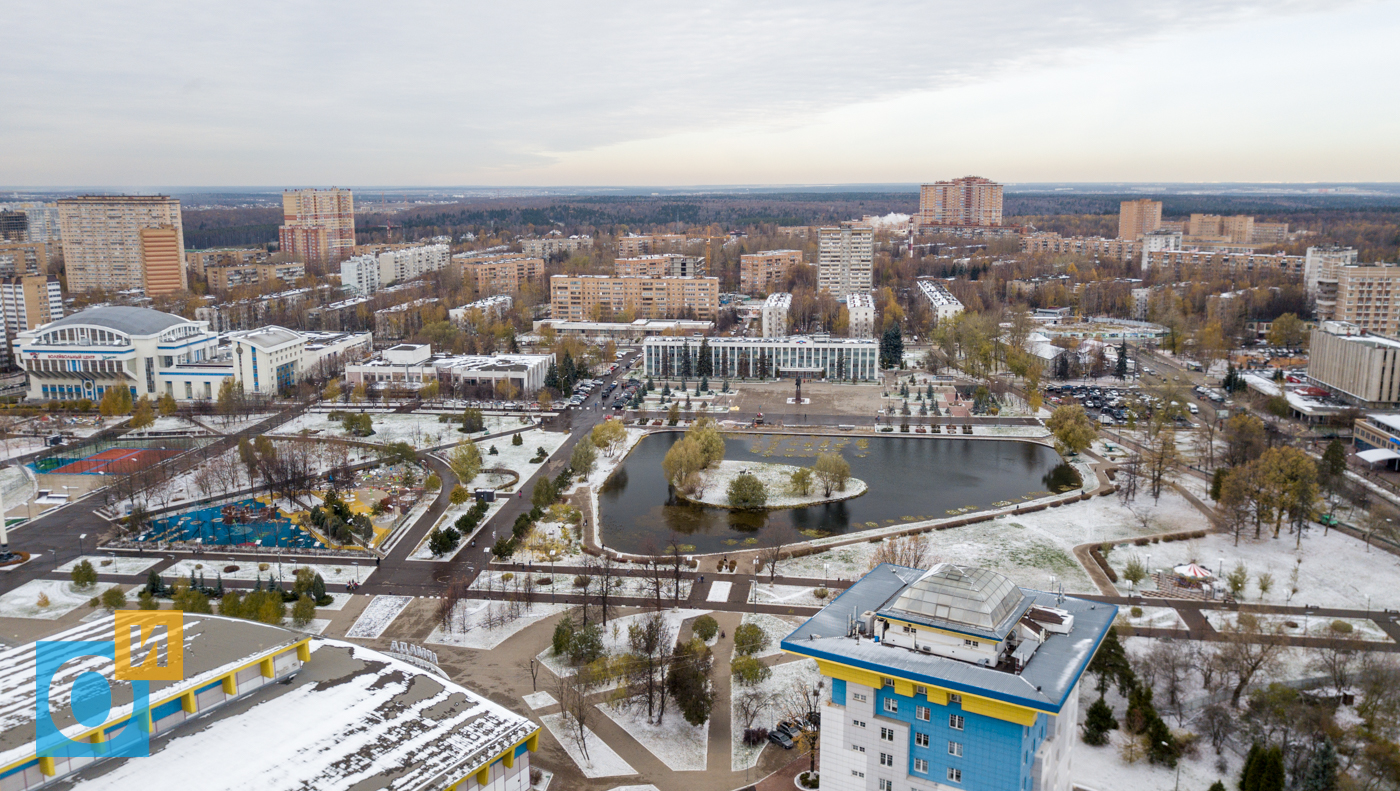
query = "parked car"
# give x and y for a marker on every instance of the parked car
(781, 738)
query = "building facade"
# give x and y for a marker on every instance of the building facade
(365, 274)
(599, 297)
(1137, 218)
(860, 315)
(199, 261)
(941, 301)
(1365, 295)
(807, 357)
(949, 678)
(661, 265)
(267, 360)
(1087, 246)
(760, 273)
(497, 273)
(415, 365)
(1322, 266)
(970, 201)
(123, 242)
(645, 244)
(318, 226)
(223, 277)
(1183, 264)
(25, 303)
(603, 331)
(1359, 368)
(22, 258)
(775, 315)
(490, 307)
(550, 245)
(845, 258)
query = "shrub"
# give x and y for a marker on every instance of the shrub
(459, 495)
(706, 628)
(230, 569)
(755, 737)
(749, 639)
(507, 577)
(587, 646)
(1341, 627)
(43, 600)
(504, 547)
(262, 567)
(748, 671)
(83, 575)
(114, 598)
(581, 581)
(821, 593)
(1136, 612)
(809, 780)
(516, 440)
(545, 581)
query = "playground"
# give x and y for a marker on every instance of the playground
(245, 522)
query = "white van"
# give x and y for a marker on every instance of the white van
(1195, 410)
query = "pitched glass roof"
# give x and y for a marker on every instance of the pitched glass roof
(963, 595)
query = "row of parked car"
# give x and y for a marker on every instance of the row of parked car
(785, 733)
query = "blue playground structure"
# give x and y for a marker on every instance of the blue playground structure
(245, 522)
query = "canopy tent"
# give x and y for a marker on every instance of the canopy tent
(1194, 571)
(1377, 455)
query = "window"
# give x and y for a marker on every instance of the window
(920, 739)
(955, 748)
(854, 773)
(891, 705)
(858, 748)
(860, 696)
(918, 690)
(887, 734)
(886, 785)
(921, 766)
(922, 712)
(858, 723)
(955, 721)
(954, 697)
(971, 643)
(887, 681)
(954, 775)
(886, 759)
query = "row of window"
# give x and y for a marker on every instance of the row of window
(954, 776)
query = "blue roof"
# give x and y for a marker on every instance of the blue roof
(1044, 684)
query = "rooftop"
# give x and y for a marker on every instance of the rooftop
(129, 321)
(973, 597)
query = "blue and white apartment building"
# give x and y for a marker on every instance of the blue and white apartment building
(949, 678)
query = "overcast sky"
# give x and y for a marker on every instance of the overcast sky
(661, 93)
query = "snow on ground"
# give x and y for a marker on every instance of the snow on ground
(471, 627)
(1153, 617)
(167, 423)
(314, 626)
(64, 597)
(675, 742)
(719, 591)
(607, 465)
(615, 637)
(545, 535)
(1103, 768)
(378, 614)
(1361, 628)
(338, 601)
(601, 760)
(776, 479)
(234, 423)
(1336, 570)
(1032, 548)
(420, 429)
(785, 677)
(790, 595)
(775, 626)
(120, 565)
(540, 700)
(248, 571)
(564, 583)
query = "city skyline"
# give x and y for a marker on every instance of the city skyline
(832, 94)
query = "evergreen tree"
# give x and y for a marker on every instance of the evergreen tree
(551, 378)
(1322, 769)
(1161, 744)
(704, 385)
(1121, 369)
(1110, 664)
(1217, 482)
(705, 365)
(891, 347)
(1251, 767)
(1216, 786)
(1099, 722)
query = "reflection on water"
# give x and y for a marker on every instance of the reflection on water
(911, 479)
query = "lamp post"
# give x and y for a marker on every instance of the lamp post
(553, 583)
(81, 536)
(1178, 768)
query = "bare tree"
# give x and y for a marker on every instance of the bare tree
(1244, 656)
(1128, 476)
(1335, 660)
(912, 551)
(650, 643)
(751, 702)
(572, 691)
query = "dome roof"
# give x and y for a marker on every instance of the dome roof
(963, 595)
(126, 320)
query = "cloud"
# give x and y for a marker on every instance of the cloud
(267, 92)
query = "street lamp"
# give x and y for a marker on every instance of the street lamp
(1178, 768)
(81, 536)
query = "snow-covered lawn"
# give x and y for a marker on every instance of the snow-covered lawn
(120, 565)
(615, 637)
(339, 600)
(64, 597)
(379, 613)
(234, 423)
(248, 571)
(1313, 626)
(675, 742)
(719, 591)
(1032, 548)
(314, 626)
(790, 595)
(564, 583)
(601, 760)
(473, 623)
(776, 479)
(167, 423)
(540, 700)
(785, 677)
(422, 430)
(1153, 617)
(775, 626)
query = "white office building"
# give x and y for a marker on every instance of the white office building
(805, 357)
(775, 315)
(860, 310)
(940, 300)
(414, 365)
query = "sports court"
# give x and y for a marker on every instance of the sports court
(112, 461)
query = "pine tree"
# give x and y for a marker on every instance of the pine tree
(704, 366)
(1322, 769)
(1110, 664)
(1099, 722)
(1251, 768)
(1121, 369)
(1216, 786)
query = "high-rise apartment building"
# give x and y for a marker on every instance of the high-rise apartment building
(318, 226)
(26, 302)
(20, 258)
(775, 315)
(123, 242)
(396, 265)
(661, 265)
(1366, 295)
(14, 226)
(650, 243)
(845, 258)
(968, 201)
(1137, 218)
(603, 298)
(1235, 229)
(760, 273)
(492, 274)
(1322, 266)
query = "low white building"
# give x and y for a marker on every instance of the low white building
(775, 314)
(805, 357)
(327, 353)
(415, 365)
(860, 310)
(267, 360)
(625, 330)
(940, 300)
(496, 306)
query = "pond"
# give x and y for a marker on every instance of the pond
(911, 480)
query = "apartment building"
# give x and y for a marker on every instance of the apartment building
(496, 273)
(967, 201)
(1137, 218)
(1236, 229)
(550, 245)
(490, 307)
(19, 258)
(318, 226)
(1270, 233)
(760, 273)
(14, 226)
(1367, 296)
(600, 297)
(402, 320)
(123, 242)
(860, 315)
(223, 277)
(941, 301)
(26, 302)
(645, 244)
(845, 258)
(775, 315)
(949, 677)
(199, 261)
(1322, 267)
(661, 265)
(1119, 249)
(366, 274)
(224, 315)
(1360, 368)
(1181, 263)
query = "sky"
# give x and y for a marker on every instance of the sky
(665, 93)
